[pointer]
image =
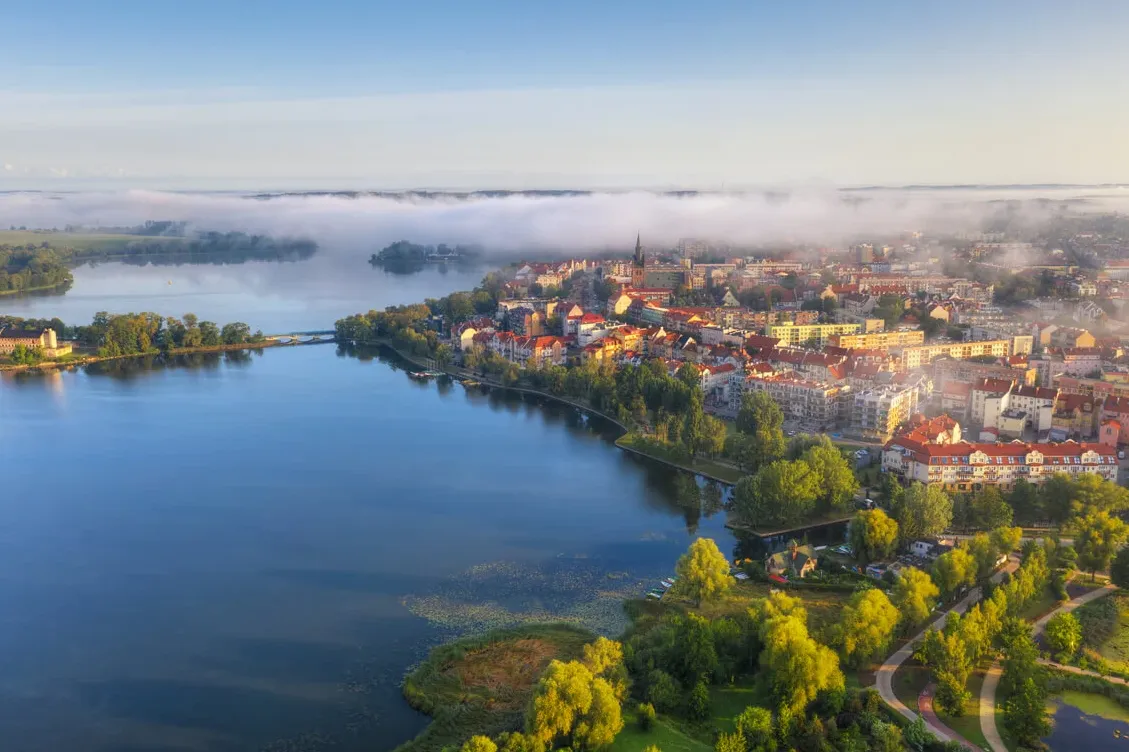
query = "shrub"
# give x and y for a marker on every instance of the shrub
(646, 713)
(698, 705)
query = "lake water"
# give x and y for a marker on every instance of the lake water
(275, 297)
(232, 550)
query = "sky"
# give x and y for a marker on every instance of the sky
(254, 95)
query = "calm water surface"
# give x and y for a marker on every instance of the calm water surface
(227, 551)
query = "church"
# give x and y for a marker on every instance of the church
(45, 339)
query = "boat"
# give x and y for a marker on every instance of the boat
(667, 583)
(656, 594)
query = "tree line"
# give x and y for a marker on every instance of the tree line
(31, 267)
(135, 333)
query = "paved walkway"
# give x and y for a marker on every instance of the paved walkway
(992, 680)
(925, 707)
(885, 674)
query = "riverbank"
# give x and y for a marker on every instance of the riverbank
(85, 360)
(708, 469)
(41, 288)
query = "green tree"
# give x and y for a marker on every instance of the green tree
(953, 570)
(1064, 635)
(984, 552)
(698, 705)
(1025, 711)
(646, 715)
(915, 594)
(662, 690)
(1098, 539)
(22, 355)
(755, 725)
(1007, 539)
(798, 667)
(1093, 493)
(947, 658)
(235, 333)
(923, 512)
(1025, 502)
(873, 536)
(1119, 570)
(990, 510)
(730, 742)
(868, 622)
(562, 695)
(762, 420)
(603, 721)
(837, 482)
(697, 654)
(479, 743)
(703, 572)
(779, 493)
(209, 334)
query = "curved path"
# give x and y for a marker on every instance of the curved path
(925, 706)
(992, 679)
(885, 674)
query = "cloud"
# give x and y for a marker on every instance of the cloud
(583, 223)
(8, 167)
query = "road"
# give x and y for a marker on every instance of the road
(885, 673)
(992, 679)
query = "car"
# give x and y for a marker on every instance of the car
(1121, 454)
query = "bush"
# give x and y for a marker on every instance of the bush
(662, 691)
(1099, 621)
(698, 705)
(646, 713)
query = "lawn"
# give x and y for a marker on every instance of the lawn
(1115, 648)
(824, 607)
(662, 735)
(77, 241)
(1040, 606)
(968, 725)
(729, 702)
(725, 472)
(909, 680)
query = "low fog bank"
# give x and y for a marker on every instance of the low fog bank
(566, 223)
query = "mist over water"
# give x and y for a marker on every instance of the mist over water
(570, 223)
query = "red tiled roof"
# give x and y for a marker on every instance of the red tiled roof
(994, 386)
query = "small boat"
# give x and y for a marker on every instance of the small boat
(655, 594)
(667, 584)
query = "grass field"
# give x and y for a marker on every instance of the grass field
(662, 735)
(481, 685)
(729, 702)
(77, 241)
(910, 678)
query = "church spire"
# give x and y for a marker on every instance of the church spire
(638, 249)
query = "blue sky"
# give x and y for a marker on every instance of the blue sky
(254, 94)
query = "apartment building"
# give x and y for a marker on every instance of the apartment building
(965, 467)
(878, 340)
(818, 404)
(916, 356)
(791, 335)
(877, 412)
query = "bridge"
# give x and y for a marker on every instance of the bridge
(304, 338)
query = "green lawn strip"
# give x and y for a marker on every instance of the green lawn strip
(662, 735)
(719, 470)
(968, 725)
(909, 680)
(1036, 607)
(728, 702)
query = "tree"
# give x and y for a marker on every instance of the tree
(923, 512)
(209, 334)
(947, 657)
(755, 725)
(697, 654)
(990, 510)
(1093, 493)
(836, 480)
(604, 719)
(713, 435)
(22, 355)
(479, 743)
(1119, 570)
(1007, 539)
(799, 667)
(869, 619)
(873, 536)
(662, 690)
(733, 742)
(1099, 538)
(984, 552)
(1025, 712)
(1025, 502)
(780, 493)
(1064, 635)
(571, 703)
(762, 420)
(698, 706)
(953, 570)
(646, 714)
(703, 572)
(915, 594)
(235, 333)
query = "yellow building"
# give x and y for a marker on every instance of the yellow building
(798, 334)
(920, 355)
(879, 340)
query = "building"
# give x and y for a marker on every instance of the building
(797, 334)
(795, 561)
(813, 403)
(965, 467)
(915, 356)
(948, 370)
(878, 340)
(45, 339)
(877, 413)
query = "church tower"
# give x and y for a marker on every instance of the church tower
(638, 265)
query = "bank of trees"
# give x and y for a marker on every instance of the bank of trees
(817, 482)
(135, 333)
(32, 267)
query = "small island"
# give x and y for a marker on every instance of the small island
(405, 257)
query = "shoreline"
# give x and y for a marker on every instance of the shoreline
(462, 373)
(92, 359)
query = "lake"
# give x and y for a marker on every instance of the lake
(229, 551)
(272, 296)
